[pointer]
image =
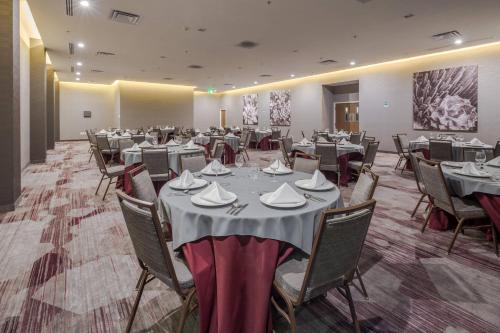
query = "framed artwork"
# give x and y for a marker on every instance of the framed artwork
(250, 111)
(446, 99)
(280, 110)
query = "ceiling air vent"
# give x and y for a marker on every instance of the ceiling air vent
(69, 7)
(168, 78)
(328, 62)
(265, 75)
(71, 48)
(195, 66)
(228, 84)
(247, 44)
(96, 71)
(104, 53)
(124, 17)
(447, 35)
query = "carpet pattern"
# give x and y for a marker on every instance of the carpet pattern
(67, 264)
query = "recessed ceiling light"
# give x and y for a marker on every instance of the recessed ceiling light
(77, 73)
(84, 3)
(458, 41)
(81, 45)
(292, 75)
(234, 87)
(255, 82)
(79, 63)
(78, 79)
(352, 63)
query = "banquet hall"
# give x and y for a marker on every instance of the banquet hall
(232, 166)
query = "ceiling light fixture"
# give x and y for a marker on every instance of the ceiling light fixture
(255, 82)
(292, 75)
(84, 3)
(78, 79)
(79, 63)
(234, 87)
(458, 41)
(81, 45)
(352, 63)
(77, 73)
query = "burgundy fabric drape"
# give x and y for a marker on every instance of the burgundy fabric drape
(491, 204)
(233, 277)
(124, 182)
(229, 154)
(345, 172)
(264, 143)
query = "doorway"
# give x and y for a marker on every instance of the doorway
(222, 118)
(339, 96)
(347, 116)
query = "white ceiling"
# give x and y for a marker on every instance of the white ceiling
(368, 31)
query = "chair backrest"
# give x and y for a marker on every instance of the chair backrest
(138, 138)
(243, 137)
(404, 141)
(246, 144)
(496, 152)
(155, 160)
(327, 152)
(218, 150)
(125, 143)
(288, 143)
(306, 163)
(193, 163)
(336, 249)
(287, 133)
(416, 169)
(92, 137)
(142, 185)
(286, 158)
(275, 134)
(363, 134)
(101, 164)
(399, 150)
(435, 184)
(213, 139)
(440, 150)
(102, 142)
(370, 153)
(356, 138)
(364, 188)
(149, 243)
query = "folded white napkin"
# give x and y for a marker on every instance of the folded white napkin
(116, 136)
(190, 144)
(317, 180)
(304, 141)
(341, 132)
(215, 167)
(126, 135)
(186, 179)
(200, 135)
(279, 166)
(422, 139)
(476, 141)
(494, 162)
(231, 135)
(285, 194)
(148, 135)
(322, 139)
(135, 146)
(470, 169)
(449, 138)
(215, 193)
(171, 143)
(343, 141)
(103, 131)
(197, 130)
(145, 144)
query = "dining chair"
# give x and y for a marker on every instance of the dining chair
(156, 161)
(244, 145)
(463, 209)
(218, 150)
(366, 140)
(496, 152)
(363, 134)
(306, 163)
(404, 143)
(105, 148)
(469, 154)
(355, 138)
(155, 255)
(286, 157)
(138, 138)
(399, 151)
(107, 172)
(93, 142)
(368, 158)
(287, 133)
(440, 150)
(193, 163)
(335, 254)
(124, 144)
(275, 137)
(414, 156)
(328, 156)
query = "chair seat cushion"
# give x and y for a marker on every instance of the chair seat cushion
(182, 272)
(110, 151)
(116, 170)
(356, 165)
(289, 276)
(467, 208)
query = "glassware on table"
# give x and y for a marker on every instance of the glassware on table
(239, 161)
(480, 158)
(219, 167)
(274, 168)
(431, 135)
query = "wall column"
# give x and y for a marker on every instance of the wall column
(57, 132)
(10, 159)
(50, 107)
(38, 94)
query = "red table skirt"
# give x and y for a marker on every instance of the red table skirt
(345, 172)
(229, 154)
(264, 144)
(233, 277)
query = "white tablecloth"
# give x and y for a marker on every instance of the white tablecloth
(457, 148)
(466, 185)
(114, 141)
(341, 149)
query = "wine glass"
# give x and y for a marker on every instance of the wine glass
(274, 167)
(218, 167)
(480, 158)
(239, 161)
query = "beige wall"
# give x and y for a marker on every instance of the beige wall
(144, 104)
(78, 97)
(206, 110)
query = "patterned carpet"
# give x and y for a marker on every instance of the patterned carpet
(67, 264)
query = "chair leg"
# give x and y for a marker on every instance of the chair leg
(352, 309)
(98, 186)
(404, 166)
(289, 315)
(455, 234)
(494, 235)
(138, 285)
(141, 283)
(107, 188)
(399, 162)
(185, 310)
(358, 275)
(418, 205)
(91, 154)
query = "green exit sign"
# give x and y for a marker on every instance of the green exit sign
(211, 90)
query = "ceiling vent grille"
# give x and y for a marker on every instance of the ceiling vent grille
(96, 71)
(328, 62)
(447, 35)
(69, 7)
(124, 17)
(71, 48)
(104, 53)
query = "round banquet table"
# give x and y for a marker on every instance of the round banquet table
(233, 142)
(233, 258)
(114, 141)
(457, 148)
(341, 149)
(201, 140)
(337, 136)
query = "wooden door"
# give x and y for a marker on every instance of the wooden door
(222, 120)
(347, 116)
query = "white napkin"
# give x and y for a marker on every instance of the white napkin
(279, 166)
(476, 141)
(186, 179)
(449, 138)
(197, 130)
(343, 141)
(214, 193)
(317, 180)
(231, 135)
(215, 166)
(103, 131)
(285, 194)
(116, 136)
(305, 142)
(171, 143)
(422, 139)
(190, 144)
(135, 146)
(494, 162)
(126, 135)
(148, 135)
(322, 139)
(470, 169)
(145, 144)
(200, 135)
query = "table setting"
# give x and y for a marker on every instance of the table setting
(458, 145)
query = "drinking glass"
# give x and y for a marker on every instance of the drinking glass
(239, 161)
(219, 167)
(274, 168)
(480, 158)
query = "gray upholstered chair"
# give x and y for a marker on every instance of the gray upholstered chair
(366, 140)
(399, 151)
(368, 159)
(275, 137)
(496, 152)
(404, 144)
(124, 144)
(286, 157)
(218, 150)
(328, 155)
(155, 255)
(105, 148)
(355, 138)
(193, 163)
(244, 145)
(461, 208)
(138, 138)
(306, 163)
(418, 178)
(469, 154)
(288, 143)
(107, 172)
(156, 161)
(336, 250)
(93, 142)
(441, 150)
